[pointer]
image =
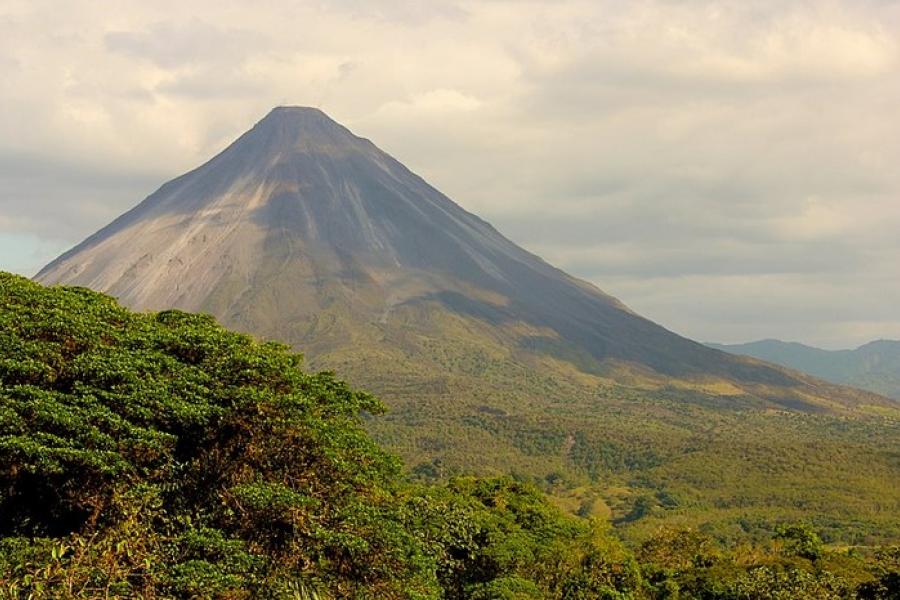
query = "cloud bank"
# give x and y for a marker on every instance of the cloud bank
(727, 169)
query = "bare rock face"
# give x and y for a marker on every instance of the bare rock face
(299, 218)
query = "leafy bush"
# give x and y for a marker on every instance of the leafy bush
(205, 461)
(159, 455)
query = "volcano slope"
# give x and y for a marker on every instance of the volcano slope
(490, 359)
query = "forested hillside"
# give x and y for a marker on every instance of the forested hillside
(158, 455)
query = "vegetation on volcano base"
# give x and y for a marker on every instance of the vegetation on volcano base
(159, 456)
(643, 451)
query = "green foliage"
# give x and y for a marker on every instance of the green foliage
(800, 540)
(886, 582)
(213, 458)
(679, 563)
(653, 453)
(160, 456)
(791, 584)
(501, 537)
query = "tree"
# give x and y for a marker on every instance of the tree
(800, 539)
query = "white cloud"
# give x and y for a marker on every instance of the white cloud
(727, 167)
(816, 220)
(433, 103)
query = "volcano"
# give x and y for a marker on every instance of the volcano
(490, 360)
(300, 215)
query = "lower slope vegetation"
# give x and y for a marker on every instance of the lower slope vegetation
(159, 456)
(617, 441)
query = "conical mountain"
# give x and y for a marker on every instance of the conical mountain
(299, 214)
(490, 359)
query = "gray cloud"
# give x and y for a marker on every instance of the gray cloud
(174, 45)
(59, 201)
(726, 168)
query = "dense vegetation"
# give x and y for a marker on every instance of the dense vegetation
(628, 446)
(159, 455)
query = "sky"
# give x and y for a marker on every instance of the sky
(727, 169)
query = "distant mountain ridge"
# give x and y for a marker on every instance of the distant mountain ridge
(874, 366)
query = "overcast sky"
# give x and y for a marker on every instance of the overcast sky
(729, 169)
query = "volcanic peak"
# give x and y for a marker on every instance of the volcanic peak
(301, 129)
